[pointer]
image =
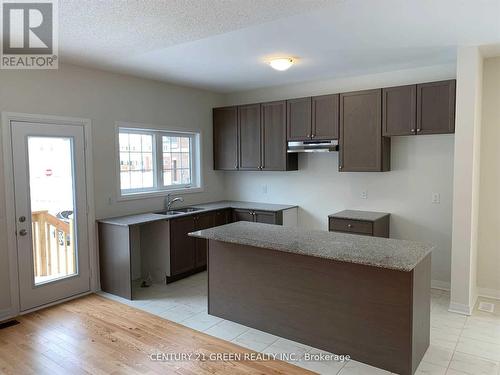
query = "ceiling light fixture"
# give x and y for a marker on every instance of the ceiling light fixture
(282, 63)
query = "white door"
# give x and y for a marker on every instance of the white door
(51, 212)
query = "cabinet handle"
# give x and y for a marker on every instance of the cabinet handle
(349, 225)
(419, 130)
(236, 166)
(313, 135)
(413, 130)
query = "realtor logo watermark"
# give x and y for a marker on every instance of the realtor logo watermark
(29, 34)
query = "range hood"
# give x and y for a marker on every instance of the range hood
(313, 146)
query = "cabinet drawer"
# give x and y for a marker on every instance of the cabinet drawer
(351, 226)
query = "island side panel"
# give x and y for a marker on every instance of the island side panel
(339, 307)
(114, 259)
(421, 310)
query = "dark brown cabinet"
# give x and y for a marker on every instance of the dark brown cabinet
(225, 138)
(222, 217)
(188, 254)
(274, 155)
(427, 108)
(249, 138)
(325, 117)
(362, 146)
(360, 222)
(258, 216)
(202, 221)
(436, 107)
(182, 247)
(399, 110)
(242, 215)
(299, 119)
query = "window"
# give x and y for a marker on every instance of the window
(155, 161)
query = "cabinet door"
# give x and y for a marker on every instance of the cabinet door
(243, 215)
(325, 117)
(436, 107)
(182, 247)
(221, 217)
(274, 153)
(225, 138)
(399, 110)
(265, 217)
(203, 221)
(249, 141)
(298, 119)
(362, 147)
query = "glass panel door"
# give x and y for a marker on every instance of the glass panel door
(52, 188)
(51, 212)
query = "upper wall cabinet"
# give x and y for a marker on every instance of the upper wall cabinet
(427, 108)
(225, 135)
(249, 139)
(362, 147)
(315, 118)
(399, 110)
(299, 119)
(436, 107)
(325, 117)
(274, 155)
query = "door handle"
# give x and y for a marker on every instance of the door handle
(23, 232)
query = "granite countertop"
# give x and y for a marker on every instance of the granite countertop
(372, 251)
(205, 207)
(359, 215)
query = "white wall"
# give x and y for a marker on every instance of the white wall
(466, 180)
(488, 272)
(105, 98)
(421, 165)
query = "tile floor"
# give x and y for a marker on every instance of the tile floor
(459, 345)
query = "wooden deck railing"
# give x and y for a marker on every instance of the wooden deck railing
(53, 242)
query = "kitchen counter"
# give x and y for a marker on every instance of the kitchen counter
(205, 207)
(372, 251)
(366, 297)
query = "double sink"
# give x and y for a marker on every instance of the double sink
(179, 211)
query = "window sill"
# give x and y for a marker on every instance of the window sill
(158, 193)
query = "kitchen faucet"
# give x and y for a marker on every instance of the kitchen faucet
(169, 201)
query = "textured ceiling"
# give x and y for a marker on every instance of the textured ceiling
(95, 29)
(222, 45)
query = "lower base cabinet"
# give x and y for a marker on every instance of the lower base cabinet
(188, 255)
(256, 216)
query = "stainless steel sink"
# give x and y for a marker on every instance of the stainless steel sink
(170, 213)
(179, 211)
(188, 209)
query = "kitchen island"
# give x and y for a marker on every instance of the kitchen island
(361, 296)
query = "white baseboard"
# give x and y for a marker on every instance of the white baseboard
(488, 293)
(460, 308)
(442, 285)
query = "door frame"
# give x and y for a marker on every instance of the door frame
(7, 118)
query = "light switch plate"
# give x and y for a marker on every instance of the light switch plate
(436, 198)
(364, 194)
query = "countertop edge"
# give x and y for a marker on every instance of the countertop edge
(115, 220)
(354, 261)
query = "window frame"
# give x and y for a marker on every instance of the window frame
(159, 189)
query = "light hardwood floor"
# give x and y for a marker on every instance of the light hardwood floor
(96, 335)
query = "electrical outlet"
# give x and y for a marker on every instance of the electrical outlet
(364, 194)
(436, 198)
(110, 200)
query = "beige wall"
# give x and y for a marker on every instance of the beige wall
(105, 98)
(488, 273)
(420, 166)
